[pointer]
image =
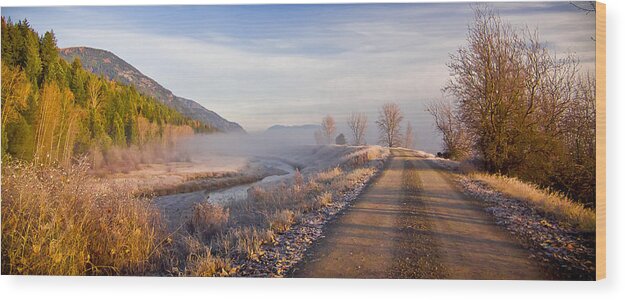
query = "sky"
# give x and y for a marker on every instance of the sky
(261, 65)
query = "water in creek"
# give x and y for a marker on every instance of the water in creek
(177, 206)
(239, 192)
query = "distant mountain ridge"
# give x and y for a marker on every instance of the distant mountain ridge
(294, 127)
(106, 63)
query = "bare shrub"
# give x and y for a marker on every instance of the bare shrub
(245, 241)
(209, 265)
(282, 220)
(207, 219)
(313, 188)
(468, 166)
(324, 199)
(298, 178)
(530, 112)
(59, 221)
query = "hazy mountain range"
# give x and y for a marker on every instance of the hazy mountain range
(294, 127)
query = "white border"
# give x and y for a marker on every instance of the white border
(109, 288)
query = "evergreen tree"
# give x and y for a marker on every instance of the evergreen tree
(340, 139)
(53, 110)
(49, 56)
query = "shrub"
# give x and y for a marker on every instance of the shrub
(207, 265)
(207, 219)
(282, 220)
(324, 199)
(340, 139)
(326, 177)
(468, 167)
(244, 241)
(298, 178)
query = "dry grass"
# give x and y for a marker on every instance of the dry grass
(57, 221)
(220, 181)
(324, 199)
(243, 242)
(326, 177)
(546, 201)
(209, 265)
(282, 220)
(274, 210)
(206, 220)
(62, 222)
(298, 178)
(362, 157)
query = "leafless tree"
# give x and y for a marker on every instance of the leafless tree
(328, 129)
(409, 137)
(487, 83)
(357, 123)
(587, 7)
(389, 125)
(319, 138)
(527, 111)
(455, 138)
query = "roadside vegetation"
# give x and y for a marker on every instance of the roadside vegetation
(62, 221)
(244, 227)
(546, 201)
(519, 109)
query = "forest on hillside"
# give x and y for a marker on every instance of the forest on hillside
(54, 111)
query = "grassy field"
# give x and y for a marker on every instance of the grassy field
(60, 221)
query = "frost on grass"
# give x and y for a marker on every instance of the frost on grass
(564, 246)
(58, 221)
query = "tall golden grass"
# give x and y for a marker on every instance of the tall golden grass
(58, 221)
(546, 201)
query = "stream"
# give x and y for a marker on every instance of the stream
(239, 192)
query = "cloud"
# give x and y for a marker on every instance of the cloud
(264, 65)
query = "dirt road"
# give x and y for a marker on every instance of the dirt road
(436, 232)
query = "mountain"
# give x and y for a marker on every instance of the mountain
(292, 134)
(114, 68)
(294, 127)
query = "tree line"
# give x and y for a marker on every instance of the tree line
(388, 123)
(519, 109)
(53, 110)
